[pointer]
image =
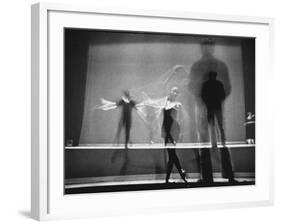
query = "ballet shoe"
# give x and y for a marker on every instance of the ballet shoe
(183, 175)
(185, 181)
(169, 182)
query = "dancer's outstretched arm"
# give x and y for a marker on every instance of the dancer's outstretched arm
(140, 111)
(106, 105)
(157, 104)
(172, 72)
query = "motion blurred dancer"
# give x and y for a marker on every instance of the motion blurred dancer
(171, 132)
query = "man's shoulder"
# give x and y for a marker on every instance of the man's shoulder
(197, 64)
(221, 64)
(219, 82)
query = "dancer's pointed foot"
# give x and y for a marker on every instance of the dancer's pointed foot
(183, 175)
(185, 181)
(169, 182)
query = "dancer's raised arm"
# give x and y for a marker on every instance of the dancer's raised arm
(172, 72)
(106, 105)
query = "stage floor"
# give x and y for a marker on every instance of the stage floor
(151, 185)
(237, 144)
(149, 182)
(109, 183)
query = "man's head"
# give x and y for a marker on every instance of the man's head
(208, 46)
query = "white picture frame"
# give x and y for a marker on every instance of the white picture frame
(47, 198)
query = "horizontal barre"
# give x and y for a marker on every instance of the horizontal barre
(249, 122)
(160, 146)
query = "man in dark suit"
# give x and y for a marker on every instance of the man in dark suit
(199, 74)
(213, 95)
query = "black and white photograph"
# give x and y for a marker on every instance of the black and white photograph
(121, 112)
(157, 111)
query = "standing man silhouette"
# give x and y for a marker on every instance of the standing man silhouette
(213, 95)
(199, 74)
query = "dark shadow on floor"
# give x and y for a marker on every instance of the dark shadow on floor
(158, 186)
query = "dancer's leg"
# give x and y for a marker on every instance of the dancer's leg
(119, 129)
(127, 135)
(220, 125)
(123, 170)
(211, 127)
(117, 139)
(177, 164)
(169, 165)
(169, 139)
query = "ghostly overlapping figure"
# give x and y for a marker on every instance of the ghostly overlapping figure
(199, 74)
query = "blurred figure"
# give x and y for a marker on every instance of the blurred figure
(152, 108)
(171, 131)
(126, 104)
(213, 95)
(152, 113)
(199, 74)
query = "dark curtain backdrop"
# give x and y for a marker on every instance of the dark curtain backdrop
(248, 56)
(126, 60)
(76, 60)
